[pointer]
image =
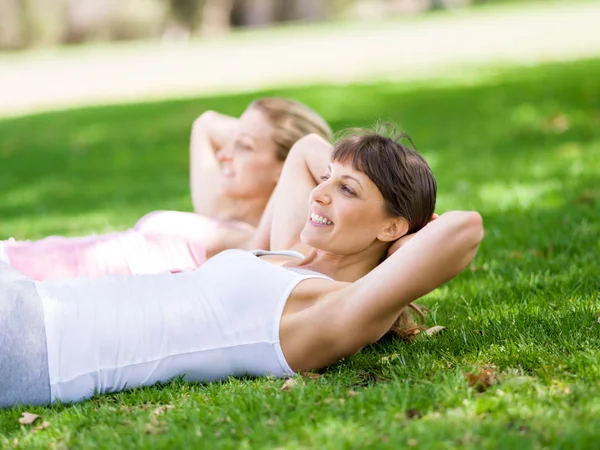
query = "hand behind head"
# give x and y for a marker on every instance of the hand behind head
(404, 239)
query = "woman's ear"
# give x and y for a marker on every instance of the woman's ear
(395, 229)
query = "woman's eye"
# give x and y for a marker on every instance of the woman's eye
(348, 190)
(324, 177)
(243, 146)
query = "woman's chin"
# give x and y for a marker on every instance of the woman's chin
(308, 238)
(231, 191)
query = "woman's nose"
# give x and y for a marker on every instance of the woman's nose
(225, 153)
(321, 194)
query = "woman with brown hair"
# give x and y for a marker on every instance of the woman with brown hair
(235, 165)
(250, 313)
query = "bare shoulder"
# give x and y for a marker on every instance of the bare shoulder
(310, 334)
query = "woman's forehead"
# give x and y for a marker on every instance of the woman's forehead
(255, 125)
(346, 169)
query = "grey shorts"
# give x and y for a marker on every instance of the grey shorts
(24, 378)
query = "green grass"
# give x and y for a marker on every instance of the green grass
(520, 145)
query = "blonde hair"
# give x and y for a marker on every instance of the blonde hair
(290, 120)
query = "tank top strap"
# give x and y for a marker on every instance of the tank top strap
(292, 253)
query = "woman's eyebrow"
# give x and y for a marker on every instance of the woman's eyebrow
(346, 177)
(352, 178)
(246, 134)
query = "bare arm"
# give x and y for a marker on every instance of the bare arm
(435, 255)
(288, 208)
(261, 238)
(210, 132)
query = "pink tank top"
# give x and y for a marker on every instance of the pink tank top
(165, 241)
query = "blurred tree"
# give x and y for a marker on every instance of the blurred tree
(311, 10)
(136, 19)
(216, 17)
(26, 23)
(87, 20)
(11, 24)
(255, 13)
(185, 12)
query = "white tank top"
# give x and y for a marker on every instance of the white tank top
(115, 332)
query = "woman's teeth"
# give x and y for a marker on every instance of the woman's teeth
(320, 219)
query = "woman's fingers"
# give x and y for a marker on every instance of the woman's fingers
(404, 239)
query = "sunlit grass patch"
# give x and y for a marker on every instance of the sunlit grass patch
(521, 146)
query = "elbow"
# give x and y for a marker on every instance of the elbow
(203, 119)
(472, 233)
(309, 147)
(473, 227)
(467, 225)
(310, 141)
(477, 229)
(302, 146)
(466, 230)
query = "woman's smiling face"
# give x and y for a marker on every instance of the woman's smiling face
(347, 212)
(249, 164)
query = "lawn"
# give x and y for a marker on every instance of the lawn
(520, 145)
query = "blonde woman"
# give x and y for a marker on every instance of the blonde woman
(235, 165)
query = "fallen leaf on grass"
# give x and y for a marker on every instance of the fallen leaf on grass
(272, 421)
(482, 380)
(311, 375)
(476, 268)
(41, 427)
(28, 418)
(413, 414)
(412, 334)
(559, 123)
(538, 253)
(162, 409)
(433, 330)
(590, 196)
(155, 427)
(289, 384)
(412, 442)
(409, 335)
(389, 357)
(367, 378)
(352, 393)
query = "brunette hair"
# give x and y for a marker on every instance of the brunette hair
(406, 182)
(402, 175)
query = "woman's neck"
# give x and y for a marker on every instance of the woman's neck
(344, 267)
(245, 210)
